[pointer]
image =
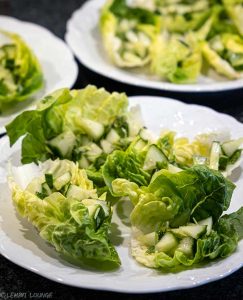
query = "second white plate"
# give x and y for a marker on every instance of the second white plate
(84, 39)
(57, 61)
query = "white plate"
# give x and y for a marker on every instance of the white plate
(84, 39)
(20, 243)
(58, 64)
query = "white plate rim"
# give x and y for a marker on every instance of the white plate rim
(116, 74)
(117, 288)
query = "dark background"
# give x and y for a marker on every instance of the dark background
(53, 15)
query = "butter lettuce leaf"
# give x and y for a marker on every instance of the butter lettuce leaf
(178, 198)
(120, 164)
(70, 216)
(236, 219)
(221, 242)
(66, 119)
(176, 202)
(218, 63)
(127, 33)
(20, 72)
(170, 39)
(234, 9)
(175, 61)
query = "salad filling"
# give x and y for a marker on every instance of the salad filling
(20, 72)
(92, 151)
(177, 41)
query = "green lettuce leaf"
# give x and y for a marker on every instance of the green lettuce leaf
(192, 194)
(122, 10)
(184, 23)
(171, 204)
(221, 65)
(71, 217)
(172, 37)
(175, 61)
(221, 242)
(66, 120)
(234, 9)
(127, 33)
(20, 72)
(236, 219)
(230, 47)
(125, 165)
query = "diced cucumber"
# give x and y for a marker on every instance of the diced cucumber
(149, 239)
(178, 233)
(135, 121)
(78, 152)
(10, 51)
(46, 189)
(35, 186)
(56, 169)
(93, 152)
(106, 146)
(214, 156)
(223, 161)
(167, 243)
(199, 160)
(40, 195)
(65, 189)
(83, 162)
(49, 180)
(231, 146)
(235, 156)
(186, 246)
(208, 222)
(113, 137)
(139, 145)
(174, 169)
(60, 181)
(77, 192)
(94, 129)
(194, 230)
(153, 156)
(63, 144)
(99, 216)
(145, 134)
(85, 140)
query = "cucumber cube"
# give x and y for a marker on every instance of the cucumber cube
(167, 243)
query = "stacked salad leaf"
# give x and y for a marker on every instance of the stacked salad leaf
(175, 40)
(20, 72)
(92, 151)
